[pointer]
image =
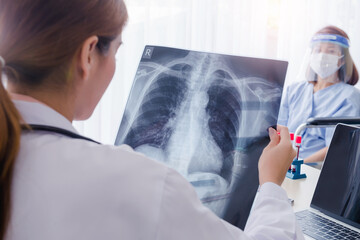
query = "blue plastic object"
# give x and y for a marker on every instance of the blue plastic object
(295, 171)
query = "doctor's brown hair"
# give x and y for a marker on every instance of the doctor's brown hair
(38, 40)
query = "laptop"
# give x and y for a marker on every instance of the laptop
(335, 207)
(205, 115)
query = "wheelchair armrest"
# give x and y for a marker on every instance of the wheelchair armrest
(332, 121)
(326, 122)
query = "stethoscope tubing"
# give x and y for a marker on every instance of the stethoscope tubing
(47, 128)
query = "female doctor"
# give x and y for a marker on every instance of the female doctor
(58, 58)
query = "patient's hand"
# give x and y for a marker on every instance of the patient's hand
(276, 157)
(319, 156)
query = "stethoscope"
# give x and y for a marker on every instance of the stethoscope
(46, 128)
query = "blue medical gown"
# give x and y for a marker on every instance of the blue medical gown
(299, 103)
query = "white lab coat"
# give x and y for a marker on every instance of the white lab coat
(71, 189)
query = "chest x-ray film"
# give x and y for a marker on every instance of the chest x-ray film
(205, 115)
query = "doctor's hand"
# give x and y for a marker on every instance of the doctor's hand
(276, 157)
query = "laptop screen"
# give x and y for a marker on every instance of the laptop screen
(337, 193)
(206, 116)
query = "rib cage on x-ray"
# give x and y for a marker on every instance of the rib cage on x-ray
(197, 115)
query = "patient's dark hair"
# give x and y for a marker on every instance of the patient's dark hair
(38, 40)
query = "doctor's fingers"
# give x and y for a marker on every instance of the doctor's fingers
(284, 133)
(274, 138)
(285, 142)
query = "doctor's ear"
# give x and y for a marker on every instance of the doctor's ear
(87, 57)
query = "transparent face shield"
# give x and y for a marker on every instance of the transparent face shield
(327, 58)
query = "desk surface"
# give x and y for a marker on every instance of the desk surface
(302, 190)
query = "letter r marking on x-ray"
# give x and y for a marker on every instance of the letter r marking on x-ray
(148, 52)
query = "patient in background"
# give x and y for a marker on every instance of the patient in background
(326, 89)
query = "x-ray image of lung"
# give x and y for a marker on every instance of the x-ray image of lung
(205, 115)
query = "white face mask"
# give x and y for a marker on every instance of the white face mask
(324, 64)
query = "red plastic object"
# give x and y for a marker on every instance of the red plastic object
(298, 142)
(292, 136)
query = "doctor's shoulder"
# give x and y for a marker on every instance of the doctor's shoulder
(122, 160)
(103, 181)
(83, 161)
